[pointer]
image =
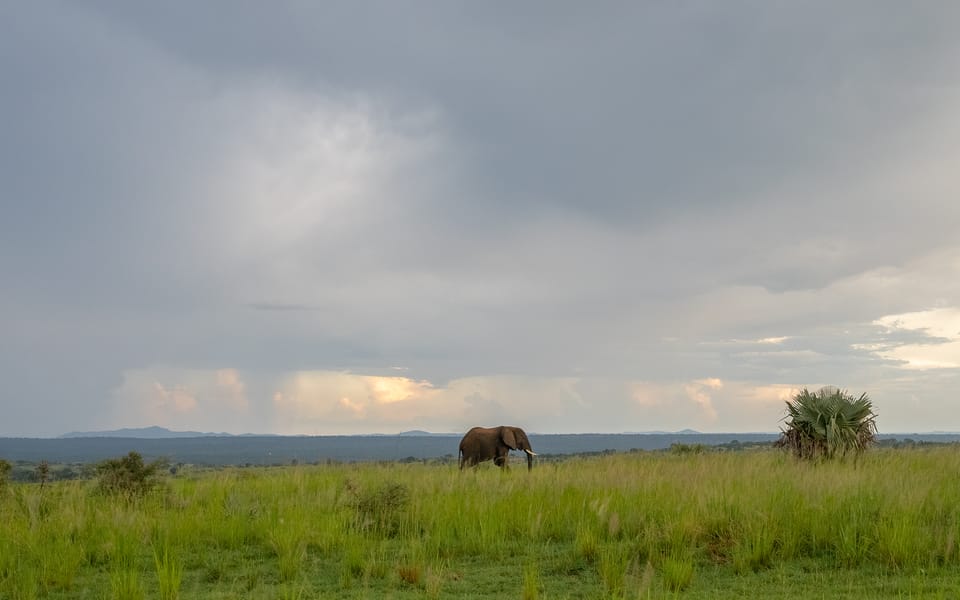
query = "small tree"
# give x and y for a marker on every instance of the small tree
(828, 423)
(5, 468)
(129, 475)
(43, 473)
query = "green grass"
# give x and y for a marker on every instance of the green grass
(639, 525)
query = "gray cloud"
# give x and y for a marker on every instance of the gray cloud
(607, 194)
(624, 113)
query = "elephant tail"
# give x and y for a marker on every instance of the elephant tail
(461, 458)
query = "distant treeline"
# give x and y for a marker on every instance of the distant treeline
(285, 450)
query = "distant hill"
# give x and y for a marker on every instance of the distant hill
(143, 433)
(663, 432)
(182, 447)
(162, 433)
(219, 449)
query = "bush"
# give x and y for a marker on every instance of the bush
(129, 475)
(678, 448)
(5, 468)
(378, 508)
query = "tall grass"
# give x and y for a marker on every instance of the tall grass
(169, 573)
(608, 526)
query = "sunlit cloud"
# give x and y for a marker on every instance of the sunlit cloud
(769, 341)
(674, 405)
(939, 322)
(339, 402)
(709, 404)
(386, 390)
(699, 391)
(176, 400)
(939, 350)
(214, 400)
(233, 391)
(766, 395)
(360, 410)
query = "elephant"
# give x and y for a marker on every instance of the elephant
(485, 443)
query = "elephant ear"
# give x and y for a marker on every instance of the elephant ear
(522, 442)
(506, 434)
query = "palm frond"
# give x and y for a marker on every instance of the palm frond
(828, 423)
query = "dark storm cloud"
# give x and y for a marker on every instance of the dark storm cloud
(464, 190)
(626, 111)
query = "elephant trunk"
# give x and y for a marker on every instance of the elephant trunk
(530, 455)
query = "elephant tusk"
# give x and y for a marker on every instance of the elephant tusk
(530, 452)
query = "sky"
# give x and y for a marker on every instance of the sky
(371, 217)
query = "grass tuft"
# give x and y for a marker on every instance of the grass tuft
(532, 584)
(677, 572)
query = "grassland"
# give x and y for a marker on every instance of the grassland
(639, 525)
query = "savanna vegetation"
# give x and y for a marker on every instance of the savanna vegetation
(828, 424)
(691, 523)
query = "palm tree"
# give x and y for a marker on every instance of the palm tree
(828, 423)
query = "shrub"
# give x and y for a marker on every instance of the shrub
(5, 469)
(43, 472)
(128, 475)
(828, 423)
(679, 448)
(378, 508)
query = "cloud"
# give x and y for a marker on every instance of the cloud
(338, 402)
(214, 400)
(939, 347)
(699, 392)
(328, 402)
(176, 400)
(708, 404)
(248, 229)
(232, 392)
